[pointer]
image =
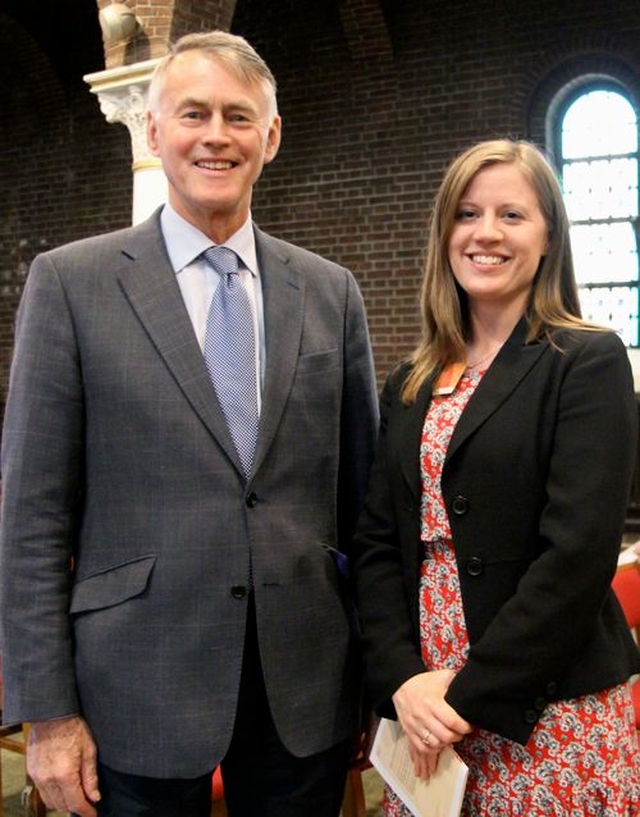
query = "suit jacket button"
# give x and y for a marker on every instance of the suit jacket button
(540, 703)
(238, 591)
(552, 688)
(460, 505)
(475, 566)
(251, 500)
(531, 716)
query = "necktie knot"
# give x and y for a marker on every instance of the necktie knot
(223, 260)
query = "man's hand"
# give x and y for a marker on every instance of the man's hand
(61, 760)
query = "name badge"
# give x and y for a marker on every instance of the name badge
(449, 379)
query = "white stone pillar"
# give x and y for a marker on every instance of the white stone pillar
(122, 93)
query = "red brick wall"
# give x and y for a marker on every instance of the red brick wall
(65, 173)
(366, 138)
(375, 96)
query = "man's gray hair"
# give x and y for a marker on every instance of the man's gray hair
(233, 51)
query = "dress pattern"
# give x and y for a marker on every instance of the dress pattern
(582, 758)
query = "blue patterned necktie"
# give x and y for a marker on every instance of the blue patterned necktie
(230, 353)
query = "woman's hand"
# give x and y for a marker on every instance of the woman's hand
(427, 719)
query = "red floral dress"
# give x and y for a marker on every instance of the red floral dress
(583, 756)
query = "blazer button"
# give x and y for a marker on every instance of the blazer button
(540, 703)
(552, 688)
(460, 505)
(238, 591)
(531, 716)
(251, 500)
(475, 566)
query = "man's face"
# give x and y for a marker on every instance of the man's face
(213, 132)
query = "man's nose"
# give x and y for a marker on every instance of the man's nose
(217, 129)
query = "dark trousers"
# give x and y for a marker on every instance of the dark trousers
(261, 778)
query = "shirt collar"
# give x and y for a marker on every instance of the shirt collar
(185, 242)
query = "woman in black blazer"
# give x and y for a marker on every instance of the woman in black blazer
(493, 523)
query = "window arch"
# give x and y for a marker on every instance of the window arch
(595, 136)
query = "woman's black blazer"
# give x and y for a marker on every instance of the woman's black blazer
(536, 483)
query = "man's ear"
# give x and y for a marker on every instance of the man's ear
(274, 135)
(152, 133)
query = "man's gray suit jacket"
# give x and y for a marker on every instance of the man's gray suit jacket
(130, 535)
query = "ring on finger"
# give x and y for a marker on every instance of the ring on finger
(426, 737)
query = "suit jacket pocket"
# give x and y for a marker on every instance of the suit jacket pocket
(113, 585)
(316, 362)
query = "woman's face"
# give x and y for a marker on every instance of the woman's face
(498, 238)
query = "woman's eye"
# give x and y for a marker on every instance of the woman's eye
(465, 215)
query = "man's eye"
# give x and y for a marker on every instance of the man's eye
(192, 115)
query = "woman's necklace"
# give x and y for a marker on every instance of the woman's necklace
(482, 360)
(450, 376)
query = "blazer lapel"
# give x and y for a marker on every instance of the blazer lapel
(283, 291)
(512, 364)
(408, 423)
(150, 286)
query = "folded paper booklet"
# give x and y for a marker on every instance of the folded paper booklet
(439, 796)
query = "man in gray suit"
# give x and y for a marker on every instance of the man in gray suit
(166, 605)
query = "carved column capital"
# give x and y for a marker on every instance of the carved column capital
(122, 94)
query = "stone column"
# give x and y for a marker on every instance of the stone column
(122, 93)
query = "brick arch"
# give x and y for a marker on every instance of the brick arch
(35, 120)
(366, 31)
(564, 78)
(34, 124)
(374, 77)
(201, 15)
(25, 71)
(164, 21)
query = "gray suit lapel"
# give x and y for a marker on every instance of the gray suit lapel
(283, 291)
(150, 286)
